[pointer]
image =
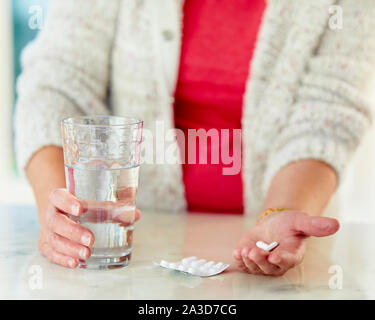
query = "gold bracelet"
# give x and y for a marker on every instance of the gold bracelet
(269, 211)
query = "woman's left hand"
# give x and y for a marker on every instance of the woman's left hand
(290, 229)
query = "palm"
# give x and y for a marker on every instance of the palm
(290, 229)
(280, 228)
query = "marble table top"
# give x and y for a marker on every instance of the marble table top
(338, 267)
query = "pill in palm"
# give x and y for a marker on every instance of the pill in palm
(267, 247)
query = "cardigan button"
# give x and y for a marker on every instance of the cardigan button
(168, 35)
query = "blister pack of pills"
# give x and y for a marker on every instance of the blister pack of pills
(195, 266)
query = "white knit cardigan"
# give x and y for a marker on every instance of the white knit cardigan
(306, 96)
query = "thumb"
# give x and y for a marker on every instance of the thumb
(137, 214)
(316, 226)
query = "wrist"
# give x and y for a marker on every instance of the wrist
(270, 211)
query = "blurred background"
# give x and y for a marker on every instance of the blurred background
(17, 28)
(355, 200)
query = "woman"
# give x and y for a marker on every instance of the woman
(301, 106)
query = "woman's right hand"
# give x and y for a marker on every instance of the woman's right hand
(62, 240)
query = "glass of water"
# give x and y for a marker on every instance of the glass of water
(102, 158)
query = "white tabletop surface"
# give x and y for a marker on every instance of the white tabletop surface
(349, 254)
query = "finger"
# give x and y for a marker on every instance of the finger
(109, 210)
(62, 225)
(238, 260)
(125, 215)
(66, 202)
(68, 247)
(284, 260)
(57, 257)
(237, 254)
(138, 214)
(250, 265)
(316, 226)
(259, 257)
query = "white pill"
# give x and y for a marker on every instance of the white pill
(261, 245)
(191, 270)
(272, 245)
(188, 260)
(198, 263)
(203, 268)
(267, 247)
(209, 264)
(181, 268)
(172, 266)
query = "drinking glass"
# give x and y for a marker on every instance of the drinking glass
(102, 158)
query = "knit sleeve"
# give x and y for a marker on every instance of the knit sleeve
(331, 112)
(65, 72)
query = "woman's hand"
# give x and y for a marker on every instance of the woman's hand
(62, 240)
(291, 230)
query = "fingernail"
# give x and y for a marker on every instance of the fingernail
(75, 209)
(86, 240)
(252, 255)
(83, 253)
(71, 263)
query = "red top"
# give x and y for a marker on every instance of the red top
(218, 43)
